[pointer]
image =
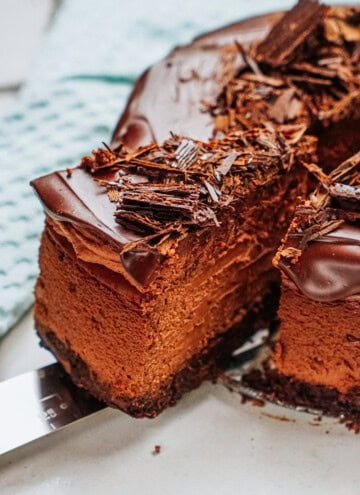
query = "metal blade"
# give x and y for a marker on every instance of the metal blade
(39, 402)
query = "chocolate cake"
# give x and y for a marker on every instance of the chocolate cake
(315, 361)
(156, 259)
(319, 334)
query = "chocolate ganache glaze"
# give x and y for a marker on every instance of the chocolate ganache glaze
(167, 98)
(321, 253)
(76, 199)
(329, 267)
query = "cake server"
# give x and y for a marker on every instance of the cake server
(39, 402)
(42, 401)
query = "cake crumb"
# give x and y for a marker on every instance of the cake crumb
(157, 450)
(278, 418)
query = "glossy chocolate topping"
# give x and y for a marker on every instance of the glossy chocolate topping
(168, 96)
(321, 253)
(79, 199)
(329, 267)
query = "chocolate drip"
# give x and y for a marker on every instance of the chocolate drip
(329, 268)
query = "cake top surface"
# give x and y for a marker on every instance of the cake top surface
(290, 75)
(187, 76)
(321, 253)
(137, 200)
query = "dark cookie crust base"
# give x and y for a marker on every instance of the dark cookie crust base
(290, 391)
(205, 366)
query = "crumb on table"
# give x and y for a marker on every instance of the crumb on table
(157, 450)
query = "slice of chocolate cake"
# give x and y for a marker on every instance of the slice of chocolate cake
(156, 263)
(318, 347)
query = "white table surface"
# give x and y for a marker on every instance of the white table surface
(210, 444)
(22, 27)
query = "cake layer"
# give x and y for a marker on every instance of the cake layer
(319, 343)
(133, 349)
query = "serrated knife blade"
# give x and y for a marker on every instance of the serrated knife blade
(38, 403)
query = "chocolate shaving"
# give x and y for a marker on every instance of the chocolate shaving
(286, 107)
(317, 172)
(211, 191)
(154, 198)
(299, 73)
(289, 33)
(248, 59)
(335, 201)
(348, 172)
(158, 204)
(186, 154)
(344, 191)
(318, 230)
(346, 196)
(226, 164)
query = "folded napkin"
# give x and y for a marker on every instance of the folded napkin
(91, 56)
